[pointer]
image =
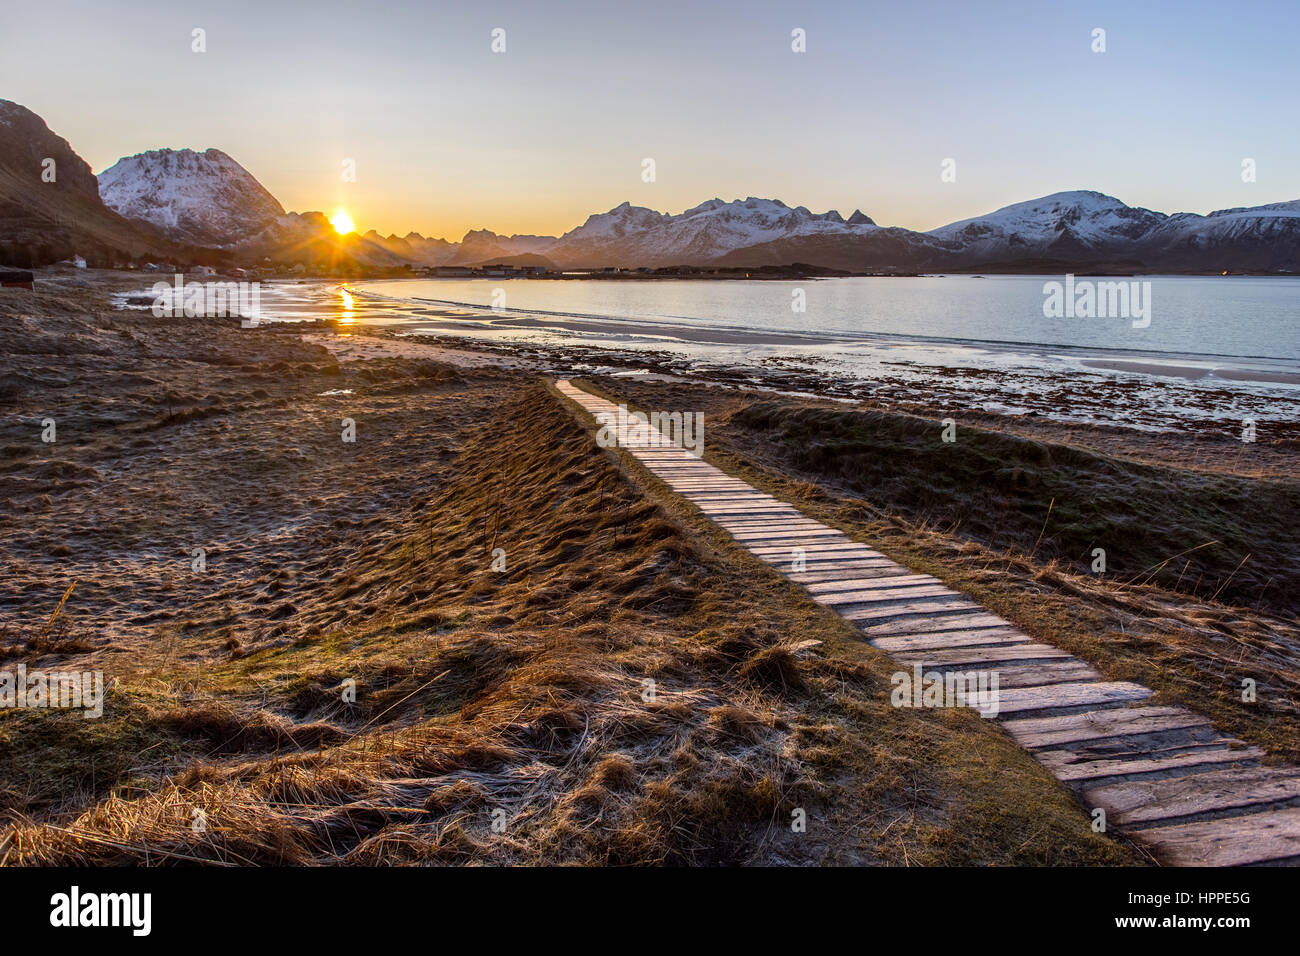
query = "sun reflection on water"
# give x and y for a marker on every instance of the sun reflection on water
(347, 312)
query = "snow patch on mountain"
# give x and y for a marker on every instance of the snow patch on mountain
(708, 231)
(205, 198)
(1067, 221)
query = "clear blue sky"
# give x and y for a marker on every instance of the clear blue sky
(449, 136)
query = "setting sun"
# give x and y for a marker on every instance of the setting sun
(342, 222)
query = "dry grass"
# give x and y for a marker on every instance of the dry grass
(517, 697)
(514, 697)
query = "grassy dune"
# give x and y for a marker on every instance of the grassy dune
(483, 696)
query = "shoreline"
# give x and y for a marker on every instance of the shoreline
(1126, 390)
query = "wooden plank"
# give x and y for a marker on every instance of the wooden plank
(757, 509)
(685, 464)
(1151, 801)
(931, 625)
(832, 570)
(1038, 674)
(880, 595)
(1264, 837)
(863, 558)
(814, 571)
(1006, 653)
(1001, 636)
(791, 538)
(1021, 700)
(829, 545)
(709, 482)
(817, 533)
(866, 583)
(697, 492)
(1034, 732)
(727, 497)
(1067, 767)
(1158, 744)
(759, 520)
(759, 526)
(921, 607)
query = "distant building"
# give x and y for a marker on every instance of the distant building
(451, 272)
(17, 280)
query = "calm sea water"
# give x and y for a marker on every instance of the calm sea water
(1203, 319)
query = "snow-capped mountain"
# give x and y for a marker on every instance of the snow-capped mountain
(205, 198)
(1256, 237)
(49, 202)
(1080, 228)
(635, 234)
(1073, 223)
(168, 203)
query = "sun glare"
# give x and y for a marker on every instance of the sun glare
(342, 223)
(347, 315)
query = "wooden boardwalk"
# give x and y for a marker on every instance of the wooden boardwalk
(1164, 776)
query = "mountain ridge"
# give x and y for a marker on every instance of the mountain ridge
(188, 203)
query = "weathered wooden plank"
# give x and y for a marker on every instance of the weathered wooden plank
(1067, 767)
(1060, 696)
(1151, 801)
(867, 583)
(814, 552)
(832, 570)
(973, 638)
(881, 594)
(759, 524)
(988, 655)
(1264, 837)
(815, 533)
(760, 527)
(756, 520)
(1035, 732)
(710, 482)
(701, 487)
(792, 538)
(727, 496)
(723, 518)
(1037, 674)
(835, 548)
(947, 621)
(923, 607)
(1158, 744)
(762, 520)
(744, 509)
(819, 570)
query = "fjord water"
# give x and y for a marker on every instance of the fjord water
(1251, 322)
